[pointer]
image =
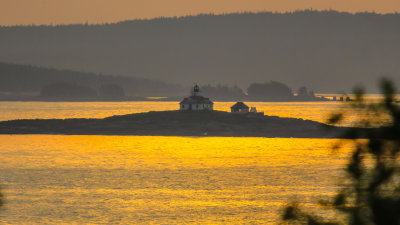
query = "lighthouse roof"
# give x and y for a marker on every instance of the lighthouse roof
(196, 99)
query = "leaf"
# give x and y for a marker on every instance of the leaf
(335, 118)
(340, 199)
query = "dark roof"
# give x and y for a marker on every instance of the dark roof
(196, 100)
(239, 105)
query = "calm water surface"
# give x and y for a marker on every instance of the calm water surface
(50, 179)
(56, 179)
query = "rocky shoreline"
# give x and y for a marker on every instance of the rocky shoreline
(177, 123)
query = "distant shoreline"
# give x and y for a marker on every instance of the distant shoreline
(178, 123)
(150, 99)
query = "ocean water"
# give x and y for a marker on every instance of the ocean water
(58, 179)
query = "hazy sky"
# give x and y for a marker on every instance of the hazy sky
(14, 12)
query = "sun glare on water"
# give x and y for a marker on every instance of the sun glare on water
(161, 180)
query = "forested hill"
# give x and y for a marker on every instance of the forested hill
(24, 79)
(327, 51)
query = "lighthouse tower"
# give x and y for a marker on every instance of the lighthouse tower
(196, 90)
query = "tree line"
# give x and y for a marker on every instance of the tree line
(267, 91)
(325, 49)
(55, 83)
(17, 79)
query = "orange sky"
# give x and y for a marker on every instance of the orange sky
(14, 12)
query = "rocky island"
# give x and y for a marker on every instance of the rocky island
(196, 117)
(177, 123)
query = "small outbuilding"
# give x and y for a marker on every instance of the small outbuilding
(196, 102)
(239, 107)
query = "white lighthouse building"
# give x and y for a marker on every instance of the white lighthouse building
(196, 102)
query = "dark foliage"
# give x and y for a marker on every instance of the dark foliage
(295, 48)
(268, 90)
(372, 192)
(21, 78)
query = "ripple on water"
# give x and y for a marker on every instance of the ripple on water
(161, 180)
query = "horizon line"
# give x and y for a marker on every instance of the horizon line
(197, 15)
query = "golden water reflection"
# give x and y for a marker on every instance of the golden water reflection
(161, 180)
